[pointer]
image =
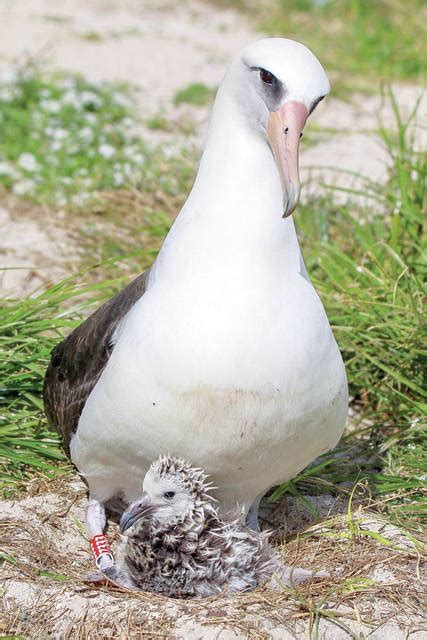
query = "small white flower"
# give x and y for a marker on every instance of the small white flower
(60, 134)
(121, 100)
(7, 94)
(61, 199)
(28, 162)
(8, 75)
(91, 118)
(6, 169)
(55, 145)
(67, 83)
(90, 98)
(128, 122)
(397, 207)
(72, 99)
(138, 158)
(86, 134)
(359, 269)
(118, 179)
(51, 106)
(23, 187)
(79, 199)
(106, 150)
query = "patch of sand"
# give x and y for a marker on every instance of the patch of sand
(43, 593)
(34, 249)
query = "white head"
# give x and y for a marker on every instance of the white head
(172, 488)
(277, 84)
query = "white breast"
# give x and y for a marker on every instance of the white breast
(251, 394)
(228, 359)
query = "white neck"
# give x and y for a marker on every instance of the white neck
(232, 219)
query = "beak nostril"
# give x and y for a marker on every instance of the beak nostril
(286, 130)
(301, 135)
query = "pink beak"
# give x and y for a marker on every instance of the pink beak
(283, 133)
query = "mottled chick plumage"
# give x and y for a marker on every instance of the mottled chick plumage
(179, 546)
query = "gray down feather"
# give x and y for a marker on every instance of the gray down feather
(200, 554)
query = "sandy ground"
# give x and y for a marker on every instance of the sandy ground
(44, 595)
(161, 47)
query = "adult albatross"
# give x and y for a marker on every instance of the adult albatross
(221, 353)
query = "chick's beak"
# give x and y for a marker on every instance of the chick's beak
(283, 133)
(136, 511)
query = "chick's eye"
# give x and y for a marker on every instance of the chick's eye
(169, 494)
(266, 76)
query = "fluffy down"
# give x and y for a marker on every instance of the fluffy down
(194, 552)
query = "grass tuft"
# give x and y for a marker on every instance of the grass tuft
(356, 40)
(378, 40)
(30, 328)
(196, 94)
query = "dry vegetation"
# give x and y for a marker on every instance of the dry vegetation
(374, 576)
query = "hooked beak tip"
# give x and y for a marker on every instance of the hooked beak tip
(291, 199)
(126, 521)
(135, 512)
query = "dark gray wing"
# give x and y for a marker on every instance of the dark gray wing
(78, 361)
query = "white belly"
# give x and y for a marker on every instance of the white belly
(249, 391)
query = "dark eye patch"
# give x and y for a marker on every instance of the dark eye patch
(169, 494)
(273, 90)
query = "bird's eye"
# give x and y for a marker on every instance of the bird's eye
(266, 77)
(169, 494)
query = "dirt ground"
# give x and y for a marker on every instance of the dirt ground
(372, 590)
(159, 48)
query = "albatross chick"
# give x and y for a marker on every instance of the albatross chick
(178, 545)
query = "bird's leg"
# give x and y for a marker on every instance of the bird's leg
(251, 520)
(95, 523)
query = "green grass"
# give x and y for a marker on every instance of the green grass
(91, 36)
(63, 139)
(356, 40)
(159, 122)
(30, 328)
(196, 94)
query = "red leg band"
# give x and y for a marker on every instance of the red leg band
(100, 547)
